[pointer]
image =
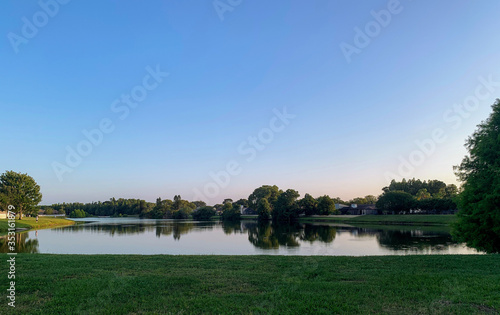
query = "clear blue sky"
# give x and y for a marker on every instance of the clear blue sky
(353, 120)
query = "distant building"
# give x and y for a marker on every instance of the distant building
(356, 209)
(339, 206)
(368, 209)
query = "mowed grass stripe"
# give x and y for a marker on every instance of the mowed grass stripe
(120, 284)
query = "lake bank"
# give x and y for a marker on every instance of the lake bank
(386, 219)
(100, 284)
(248, 237)
(398, 219)
(29, 223)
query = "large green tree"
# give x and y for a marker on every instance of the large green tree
(21, 191)
(242, 202)
(371, 199)
(162, 209)
(479, 202)
(182, 214)
(434, 187)
(326, 205)
(199, 204)
(423, 194)
(263, 209)
(435, 204)
(204, 213)
(230, 212)
(271, 193)
(286, 207)
(395, 201)
(366, 200)
(309, 205)
(451, 191)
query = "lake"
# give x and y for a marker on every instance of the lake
(150, 237)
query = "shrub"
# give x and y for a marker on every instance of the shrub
(204, 214)
(78, 213)
(230, 212)
(181, 214)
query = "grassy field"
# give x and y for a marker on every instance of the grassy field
(30, 223)
(434, 219)
(117, 284)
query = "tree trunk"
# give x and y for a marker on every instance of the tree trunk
(20, 212)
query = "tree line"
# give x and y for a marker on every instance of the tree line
(479, 198)
(423, 196)
(268, 201)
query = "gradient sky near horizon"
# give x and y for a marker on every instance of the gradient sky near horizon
(354, 121)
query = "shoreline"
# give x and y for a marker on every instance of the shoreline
(383, 219)
(29, 223)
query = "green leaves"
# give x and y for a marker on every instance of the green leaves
(231, 212)
(326, 205)
(78, 213)
(309, 205)
(21, 191)
(263, 209)
(286, 207)
(204, 213)
(395, 201)
(270, 193)
(479, 202)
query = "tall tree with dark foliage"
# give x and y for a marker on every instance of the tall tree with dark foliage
(479, 202)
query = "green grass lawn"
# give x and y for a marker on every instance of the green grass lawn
(30, 223)
(415, 219)
(119, 284)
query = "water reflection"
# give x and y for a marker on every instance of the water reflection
(176, 230)
(414, 240)
(160, 227)
(23, 244)
(233, 227)
(129, 236)
(322, 233)
(407, 239)
(272, 236)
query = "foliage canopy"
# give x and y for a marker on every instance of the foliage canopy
(479, 202)
(21, 191)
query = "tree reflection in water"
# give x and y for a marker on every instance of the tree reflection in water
(23, 244)
(232, 227)
(161, 228)
(272, 235)
(323, 233)
(263, 235)
(414, 240)
(406, 239)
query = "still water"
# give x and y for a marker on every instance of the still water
(149, 237)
